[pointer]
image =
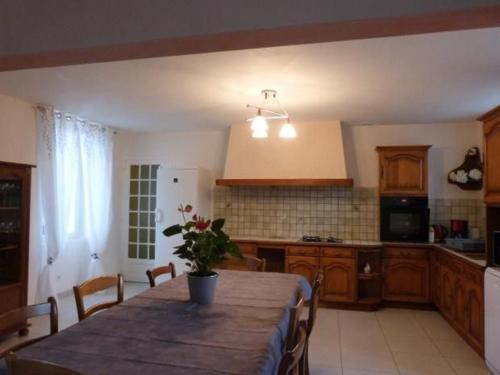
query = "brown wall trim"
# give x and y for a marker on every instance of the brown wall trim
(315, 33)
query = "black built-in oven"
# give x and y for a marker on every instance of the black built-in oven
(404, 219)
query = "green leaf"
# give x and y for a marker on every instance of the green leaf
(173, 230)
(217, 224)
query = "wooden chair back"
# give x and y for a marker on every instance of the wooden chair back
(314, 302)
(311, 320)
(248, 263)
(164, 270)
(20, 315)
(93, 286)
(17, 366)
(293, 322)
(290, 362)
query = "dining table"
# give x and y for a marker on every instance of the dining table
(160, 331)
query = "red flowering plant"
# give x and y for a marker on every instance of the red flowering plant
(205, 243)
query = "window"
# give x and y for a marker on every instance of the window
(142, 207)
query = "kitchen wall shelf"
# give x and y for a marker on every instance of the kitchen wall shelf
(8, 247)
(346, 182)
(369, 276)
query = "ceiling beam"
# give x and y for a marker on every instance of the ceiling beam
(480, 17)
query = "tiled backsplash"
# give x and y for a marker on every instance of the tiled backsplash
(347, 213)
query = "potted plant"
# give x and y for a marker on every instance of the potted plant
(205, 246)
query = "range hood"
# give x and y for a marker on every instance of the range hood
(315, 158)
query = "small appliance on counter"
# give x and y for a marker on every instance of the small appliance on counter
(440, 232)
(459, 229)
(466, 245)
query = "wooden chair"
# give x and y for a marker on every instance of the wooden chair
(18, 366)
(248, 263)
(293, 322)
(20, 315)
(311, 320)
(164, 270)
(290, 362)
(96, 285)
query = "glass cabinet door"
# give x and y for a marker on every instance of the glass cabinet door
(10, 226)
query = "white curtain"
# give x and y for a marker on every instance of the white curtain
(75, 169)
(96, 148)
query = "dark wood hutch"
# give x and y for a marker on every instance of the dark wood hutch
(15, 192)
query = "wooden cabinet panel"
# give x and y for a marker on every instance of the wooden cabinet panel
(340, 281)
(303, 265)
(448, 293)
(406, 252)
(474, 308)
(461, 301)
(491, 131)
(459, 292)
(303, 250)
(403, 170)
(436, 287)
(337, 252)
(247, 248)
(406, 280)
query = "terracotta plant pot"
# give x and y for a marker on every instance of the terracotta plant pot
(202, 288)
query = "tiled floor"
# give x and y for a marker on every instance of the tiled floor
(391, 341)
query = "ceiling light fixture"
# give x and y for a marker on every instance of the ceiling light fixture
(287, 130)
(259, 125)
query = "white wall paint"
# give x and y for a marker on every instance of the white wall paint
(274, 157)
(449, 143)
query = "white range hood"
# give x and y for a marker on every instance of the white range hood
(315, 157)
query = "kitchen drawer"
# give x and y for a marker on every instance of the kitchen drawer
(247, 248)
(303, 251)
(406, 252)
(337, 252)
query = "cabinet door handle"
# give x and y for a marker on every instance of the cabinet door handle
(381, 172)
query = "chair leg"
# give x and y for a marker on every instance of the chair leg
(306, 360)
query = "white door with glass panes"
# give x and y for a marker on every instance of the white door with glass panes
(141, 231)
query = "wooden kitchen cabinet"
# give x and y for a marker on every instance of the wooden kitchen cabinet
(340, 279)
(491, 132)
(247, 248)
(406, 280)
(406, 274)
(403, 170)
(306, 266)
(474, 309)
(462, 301)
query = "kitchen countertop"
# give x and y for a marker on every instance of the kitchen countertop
(470, 257)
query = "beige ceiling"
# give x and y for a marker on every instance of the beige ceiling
(443, 77)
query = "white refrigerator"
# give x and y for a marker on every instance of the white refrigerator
(492, 319)
(192, 186)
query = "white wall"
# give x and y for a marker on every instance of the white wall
(449, 143)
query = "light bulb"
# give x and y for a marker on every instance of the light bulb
(259, 133)
(288, 131)
(259, 123)
(259, 126)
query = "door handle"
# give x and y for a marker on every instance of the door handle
(158, 215)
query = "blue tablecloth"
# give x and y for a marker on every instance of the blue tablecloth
(161, 332)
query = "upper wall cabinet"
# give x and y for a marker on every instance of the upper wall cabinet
(491, 130)
(403, 170)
